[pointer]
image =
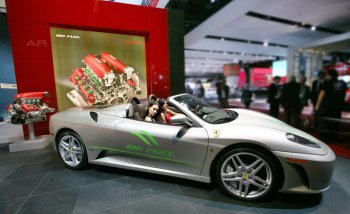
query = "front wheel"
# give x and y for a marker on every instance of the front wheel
(247, 174)
(71, 150)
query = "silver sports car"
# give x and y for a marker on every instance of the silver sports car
(248, 154)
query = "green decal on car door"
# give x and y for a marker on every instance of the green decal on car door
(150, 137)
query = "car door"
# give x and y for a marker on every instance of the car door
(157, 145)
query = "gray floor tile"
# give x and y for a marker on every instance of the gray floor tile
(36, 169)
(292, 203)
(111, 190)
(103, 195)
(14, 189)
(342, 180)
(60, 180)
(5, 152)
(334, 200)
(98, 174)
(213, 201)
(12, 160)
(6, 170)
(55, 202)
(43, 156)
(145, 188)
(168, 203)
(10, 207)
(341, 164)
(250, 211)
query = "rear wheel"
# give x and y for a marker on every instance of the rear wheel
(71, 150)
(247, 174)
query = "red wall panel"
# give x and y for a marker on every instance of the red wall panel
(29, 23)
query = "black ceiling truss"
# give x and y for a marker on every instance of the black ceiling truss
(196, 11)
(293, 23)
(231, 53)
(230, 39)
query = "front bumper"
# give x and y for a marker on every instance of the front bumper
(305, 173)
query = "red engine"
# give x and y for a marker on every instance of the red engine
(104, 80)
(28, 108)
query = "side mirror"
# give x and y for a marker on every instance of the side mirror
(180, 119)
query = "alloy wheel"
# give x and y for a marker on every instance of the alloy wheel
(246, 175)
(71, 150)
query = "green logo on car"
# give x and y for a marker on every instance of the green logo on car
(148, 140)
(143, 134)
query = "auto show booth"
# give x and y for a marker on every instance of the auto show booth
(54, 40)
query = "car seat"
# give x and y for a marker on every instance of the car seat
(140, 111)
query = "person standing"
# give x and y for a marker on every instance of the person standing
(199, 90)
(273, 95)
(246, 95)
(330, 103)
(291, 102)
(316, 87)
(304, 93)
(188, 89)
(223, 90)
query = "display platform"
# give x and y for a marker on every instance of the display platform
(37, 143)
(10, 133)
(33, 142)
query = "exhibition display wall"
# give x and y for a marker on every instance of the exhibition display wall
(128, 28)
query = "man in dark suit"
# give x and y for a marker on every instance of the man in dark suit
(273, 95)
(291, 102)
(304, 93)
(330, 103)
(316, 87)
(223, 91)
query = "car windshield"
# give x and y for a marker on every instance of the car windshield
(205, 111)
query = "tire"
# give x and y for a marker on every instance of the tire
(72, 151)
(247, 174)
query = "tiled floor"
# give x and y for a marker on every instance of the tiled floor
(36, 182)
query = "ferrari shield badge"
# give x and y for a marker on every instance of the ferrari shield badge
(216, 133)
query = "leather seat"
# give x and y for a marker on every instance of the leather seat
(140, 111)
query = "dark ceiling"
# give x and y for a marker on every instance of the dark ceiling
(196, 11)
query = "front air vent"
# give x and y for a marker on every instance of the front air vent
(94, 116)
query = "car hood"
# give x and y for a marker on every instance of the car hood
(257, 125)
(253, 118)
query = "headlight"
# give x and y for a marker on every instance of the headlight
(301, 140)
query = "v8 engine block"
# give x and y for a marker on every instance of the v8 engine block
(29, 108)
(104, 80)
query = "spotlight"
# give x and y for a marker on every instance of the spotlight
(313, 28)
(266, 44)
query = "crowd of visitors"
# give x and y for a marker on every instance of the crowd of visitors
(327, 96)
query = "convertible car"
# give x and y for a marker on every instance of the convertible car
(248, 154)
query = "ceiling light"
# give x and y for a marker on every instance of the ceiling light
(266, 44)
(212, 1)
(222, 39)
(313, 28)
